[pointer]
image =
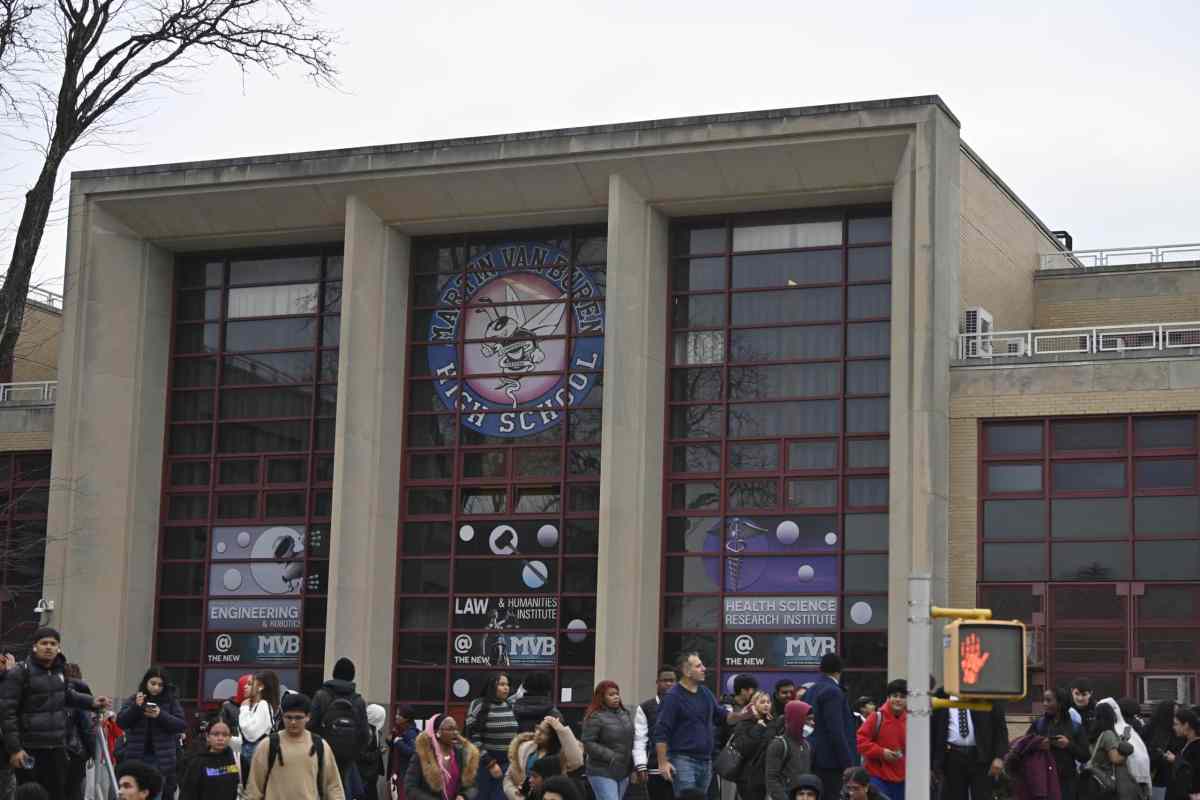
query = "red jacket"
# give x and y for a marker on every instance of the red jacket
(891, 737)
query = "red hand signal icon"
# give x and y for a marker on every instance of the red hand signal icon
(973, 659)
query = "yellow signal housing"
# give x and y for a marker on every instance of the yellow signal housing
(985, 659)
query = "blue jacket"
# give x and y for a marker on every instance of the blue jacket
(685, 721)
(833, 738)
(164, 730)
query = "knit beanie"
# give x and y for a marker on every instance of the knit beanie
(46, 632)
(343, 670)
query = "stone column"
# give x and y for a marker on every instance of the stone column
(925, 253)
(635, 351)
(103, 528)
(370, 421)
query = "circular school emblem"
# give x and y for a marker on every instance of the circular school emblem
(511, 313)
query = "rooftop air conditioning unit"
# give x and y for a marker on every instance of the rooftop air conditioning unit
(978, 324)
(1165, 687)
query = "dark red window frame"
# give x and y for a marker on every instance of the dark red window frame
(24, 499)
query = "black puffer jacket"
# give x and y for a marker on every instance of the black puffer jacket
(531, 710)
(33, 704)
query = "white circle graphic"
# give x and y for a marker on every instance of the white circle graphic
(463, 644)
(535, 574)
(787, 532)
(743, 645)
(806, 572)
(243, 539)
(831, 538)
(576, 630)
(461, 688)
(222, 547)
(225, 689)
(232, 580)
(547, 536)
(861, 613)
(466, 533)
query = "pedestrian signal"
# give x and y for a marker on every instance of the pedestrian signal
(985, 659)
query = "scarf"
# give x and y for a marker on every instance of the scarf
(1139, 762)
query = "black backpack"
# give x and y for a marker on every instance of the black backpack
(339, 726)
(274, 753)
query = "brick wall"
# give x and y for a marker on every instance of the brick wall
(1149, 294)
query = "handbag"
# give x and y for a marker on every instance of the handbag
(729, 761)
(1097, 783)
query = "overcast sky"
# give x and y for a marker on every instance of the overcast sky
(1088, 111)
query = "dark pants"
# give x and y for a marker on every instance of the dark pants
(76, 773)
(169, 782)
(659, 788)
(831, 782)
(966, 776)
(49, 771)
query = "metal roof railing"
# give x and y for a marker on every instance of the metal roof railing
(1018, 345)
(1120, 256)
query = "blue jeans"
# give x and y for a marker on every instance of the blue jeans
(892, 791)
(608, 788)
(490, 788)
(691, 773)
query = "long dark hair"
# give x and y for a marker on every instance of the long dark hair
(488, 692)
(1064, 701)
(270, 690)
(154, 672)
(1106, 720)
(1161, 721)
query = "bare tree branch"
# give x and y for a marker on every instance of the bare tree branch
(108, 50)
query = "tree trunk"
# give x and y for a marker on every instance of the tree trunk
(29, 238)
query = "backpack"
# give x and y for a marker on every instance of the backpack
(274, 753)
(756, 770)
(339, 726)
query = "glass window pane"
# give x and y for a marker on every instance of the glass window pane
(753, 494)
(1088, 476)
(783, 419)
(698, 311)
(274, 301)
(198, 305)
(1014, 562)
(1092, 518)
(1166, 516)
(698, 275)
(1011, 439)
(866, 532)
(696, 458)
(189, 473)
(869, 302)
(1167, 561)
(1087, 604)
(190, 439)
(700, 347)
(270, 334)
(1010, 602)
(868, 339)
(268, 368)
(1073, 648)
(869, 264)
(1163, 648)
(867, 492)
(695, 496)
(866, 573)
(700, 240)
(818, 454)
(190, 372)
(865, 612)
(285, 504)
(787, 269)
(694, 534)
(191, 406)
(287, 470)
(1086, 561)
(1014, 478)
(786, 237)
(692, 613)
(782, 344)
(1157, 433)
(256, 403)
(275, 270)
(481, 500)
(866, 453)
(1174, 473)
(197, 338)
(538, 500)
(811, 493)
(784, 380)
(583, 461)
(198, 273)
(753, 457)
(867, 377)
(787, 306)
(867, 416)
(533, 463)
(1170, 604)
(1014, 519)
(701, 383)
(692, 574)
(697, 422)
(263, 437)
(869, 229)
(430, 466)
(238, 472)
(1085, 435)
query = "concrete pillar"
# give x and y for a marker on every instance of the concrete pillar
(925, 254)
(103, 529)
(635, 352)
(370, 420)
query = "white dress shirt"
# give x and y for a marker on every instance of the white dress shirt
(954, 736)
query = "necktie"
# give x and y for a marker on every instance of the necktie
(963, 729)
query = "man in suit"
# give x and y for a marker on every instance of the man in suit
(967, 750)
(834, 732)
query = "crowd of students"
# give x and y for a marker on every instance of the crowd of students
(793, 743)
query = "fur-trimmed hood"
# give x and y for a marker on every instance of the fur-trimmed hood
(466, 754)
(570, 756)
